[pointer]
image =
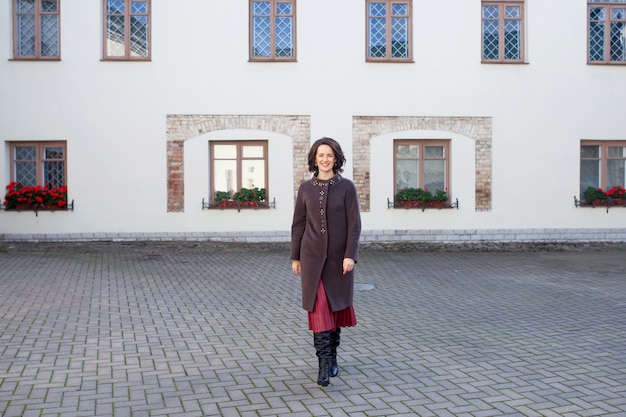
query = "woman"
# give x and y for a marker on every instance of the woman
(324, 248)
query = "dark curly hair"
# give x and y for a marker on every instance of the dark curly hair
(340, 159)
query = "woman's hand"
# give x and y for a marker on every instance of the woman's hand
(348, 265)
(295, 267)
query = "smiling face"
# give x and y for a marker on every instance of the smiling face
(325, 160)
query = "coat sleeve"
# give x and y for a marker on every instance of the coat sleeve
(298, 225)
(353, 223)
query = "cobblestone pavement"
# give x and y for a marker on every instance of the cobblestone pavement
(190, 329)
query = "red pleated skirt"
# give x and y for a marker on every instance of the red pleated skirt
(323, 319)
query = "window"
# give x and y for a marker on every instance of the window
(503, 31)
(607, 36)
(237, 165)
(38, 163)
(389, 31)
(421, 164)
(127, 30)
(36, 29)
(273, 30)
(602, 164)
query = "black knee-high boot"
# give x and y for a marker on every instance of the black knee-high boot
(335, 339)
(321, 341)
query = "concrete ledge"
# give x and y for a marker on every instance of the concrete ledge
(368, 237)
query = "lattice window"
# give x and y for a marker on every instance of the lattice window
(602, 164)
(421, 164)
(127, 29)
(503, 31)
(273, 30)
(389, 31)
(38, 163)
(36, 29)
(606, 32)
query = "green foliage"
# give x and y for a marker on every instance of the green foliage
(222, 196)
(592, 194)
(250, 194)
(416, 194)
(441, 196)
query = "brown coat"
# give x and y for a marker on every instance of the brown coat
(326, 229)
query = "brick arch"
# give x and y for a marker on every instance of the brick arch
(477, 128)
(180, 127)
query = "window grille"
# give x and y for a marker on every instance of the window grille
(421, 164)
(273, 30)
(607, 32)
(602, 164)
(36, 33)
(502, 31)
(38, 163)
(127, 29)
(238, 164)
(389, 31)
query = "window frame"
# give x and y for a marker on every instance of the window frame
(272, 57)
(604, 158)
(502, 18)
(37, 29)
(128, 15)
(39, 160)
(422, 143)
(239, 144)
(608, 5)
(388, 29)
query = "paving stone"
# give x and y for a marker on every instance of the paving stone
(212, 329)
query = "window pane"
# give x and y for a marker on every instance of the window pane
(407, 151)
(26, 35)
(512, 39)
(491, 41)
(225, 175)
(252, 151)
(26, 173)
(615, 172)
(618, 37)
(139, 35)
(433, 152)
(590, 151)
(616, 151)
(49, 6)
(50, 35)
(53, 153)
(596, 33)
(25, 153)
(400, 37)
(434, 174)
(53, 173)
(261, 36)
(225, 151)
(115, 7)
(589, 174)
(284, 36)
(253, 173)
(406, 174)
(26, 6)
(115, 36)
(139, 7)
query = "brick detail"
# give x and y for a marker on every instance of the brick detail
(477, 128)
(182, 127)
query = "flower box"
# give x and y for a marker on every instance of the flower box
(37, 198)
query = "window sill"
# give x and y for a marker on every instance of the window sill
(39, 207)
(238, 205)
(422, 206)
(608, 203)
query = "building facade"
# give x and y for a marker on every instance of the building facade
(146, 111)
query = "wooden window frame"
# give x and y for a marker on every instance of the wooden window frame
(604, 158)
(388, 28)
(239, 144)
(39, 161)
(422, 143)
(501, 32)
(127, 32)
(37, 17)
(608, 5)
(272, 57)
